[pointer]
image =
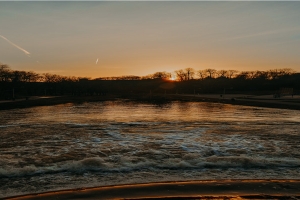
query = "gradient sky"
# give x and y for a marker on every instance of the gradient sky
(139, 38)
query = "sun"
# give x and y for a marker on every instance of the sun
(172, 77)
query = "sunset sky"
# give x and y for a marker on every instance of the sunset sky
(139, 38)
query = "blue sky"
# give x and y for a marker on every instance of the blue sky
(139, 38)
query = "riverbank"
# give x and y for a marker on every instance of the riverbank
(268, 101)
(51, 100)
(289, 102)
(210, 189)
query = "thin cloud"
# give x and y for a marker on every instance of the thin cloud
(96, 61)
(20, 48)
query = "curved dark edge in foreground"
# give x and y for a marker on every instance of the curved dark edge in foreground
(157, 99)
(205, 189)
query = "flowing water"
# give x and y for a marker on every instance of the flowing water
(117, 142)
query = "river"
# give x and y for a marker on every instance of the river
(117, 142)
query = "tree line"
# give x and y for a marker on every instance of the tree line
(27, 83)
(8, 75)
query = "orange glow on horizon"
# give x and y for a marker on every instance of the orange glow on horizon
(173, 77)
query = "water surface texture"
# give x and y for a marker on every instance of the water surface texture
(118, 142)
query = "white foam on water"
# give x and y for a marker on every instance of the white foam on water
(97, 140)
(131, 163)
(9, 125)
(115, 135)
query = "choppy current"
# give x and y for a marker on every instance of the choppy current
(118, 142)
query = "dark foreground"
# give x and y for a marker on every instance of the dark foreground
(220, 189)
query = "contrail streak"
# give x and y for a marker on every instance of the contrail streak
(96, 61)
(20, 48)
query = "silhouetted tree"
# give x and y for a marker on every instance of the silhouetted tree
(130, 77)
(222, 73)
(5, 73)
(181, 76)
(19, 76)
(211, 72)
(252, 74)
(242, 75)
(52, 78)
(163, 75)
(202, 74)
(276, 73)
(32, 77)
(189, 73)
(231, 73)
(261, 75)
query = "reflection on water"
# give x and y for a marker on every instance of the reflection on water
(114, 142)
